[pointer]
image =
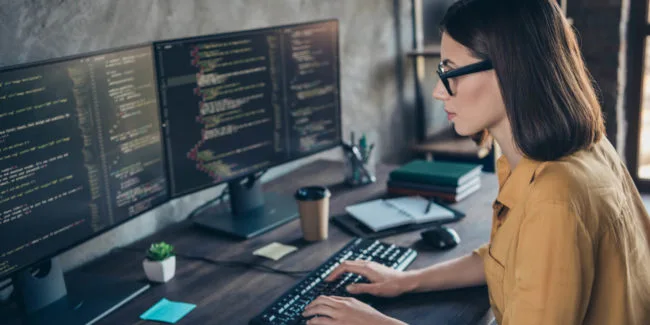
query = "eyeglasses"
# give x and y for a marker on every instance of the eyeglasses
(468, 69)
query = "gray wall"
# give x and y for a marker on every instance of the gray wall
(598, 24)
(376, 81)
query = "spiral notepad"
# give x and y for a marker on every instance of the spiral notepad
(384, 214)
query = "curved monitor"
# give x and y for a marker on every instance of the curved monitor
(80, 151)
(234, 104)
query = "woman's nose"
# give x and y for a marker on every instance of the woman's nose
(440, 92)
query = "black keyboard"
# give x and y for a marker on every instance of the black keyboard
(287, 309)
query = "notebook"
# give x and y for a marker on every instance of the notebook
(447, 197)
(388, 213)
(436, 172)
(435, 188)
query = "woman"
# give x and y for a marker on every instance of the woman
(570, 235)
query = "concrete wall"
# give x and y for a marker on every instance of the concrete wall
(376, 81)
(599, 24)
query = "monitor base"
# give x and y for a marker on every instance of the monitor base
(89, 297)
(277, 210)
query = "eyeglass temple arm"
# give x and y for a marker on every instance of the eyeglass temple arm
(476, 67)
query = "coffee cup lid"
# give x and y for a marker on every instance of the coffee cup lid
(312, 193)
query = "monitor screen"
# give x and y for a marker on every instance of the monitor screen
(80, 151)
(237, 103)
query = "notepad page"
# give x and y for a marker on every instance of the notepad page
(378, 215)
(415, 206)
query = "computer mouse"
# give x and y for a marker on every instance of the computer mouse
(440, 237)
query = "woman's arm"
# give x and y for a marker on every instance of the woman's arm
(465, 271)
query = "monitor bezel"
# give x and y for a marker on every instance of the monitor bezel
(167, 197)
(335, 144)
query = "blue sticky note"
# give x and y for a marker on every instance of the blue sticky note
(167, 311)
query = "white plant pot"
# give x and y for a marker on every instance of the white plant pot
(160, 271)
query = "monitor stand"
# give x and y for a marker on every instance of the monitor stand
(46, 300)
(252, 212)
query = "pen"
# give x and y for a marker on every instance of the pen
(367, 157)
(428, 206)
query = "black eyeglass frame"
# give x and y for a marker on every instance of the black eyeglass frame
(464, 70)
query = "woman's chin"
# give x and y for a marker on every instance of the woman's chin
(460, 130)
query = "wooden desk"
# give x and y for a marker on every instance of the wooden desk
(233, 295)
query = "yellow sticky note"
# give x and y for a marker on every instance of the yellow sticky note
(275, 251)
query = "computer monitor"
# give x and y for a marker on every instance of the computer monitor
(80, 152)
(235, 104)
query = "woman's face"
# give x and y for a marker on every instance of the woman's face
(477, 103)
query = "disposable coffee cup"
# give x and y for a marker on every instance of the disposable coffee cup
(314, 210)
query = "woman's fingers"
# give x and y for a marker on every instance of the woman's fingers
(320, 309)
(332, 310)
(321, 321)
(320, 301)
(324, 308)
(360, 288)
(357, 267)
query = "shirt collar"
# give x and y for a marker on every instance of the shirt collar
(513, 182)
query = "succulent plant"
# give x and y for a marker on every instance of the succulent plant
(160, 251)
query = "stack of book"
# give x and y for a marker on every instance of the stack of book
(448, 181)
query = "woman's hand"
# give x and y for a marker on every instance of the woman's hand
(384, 281)
(348, 311)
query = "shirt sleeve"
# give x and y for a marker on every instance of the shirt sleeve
(554, 268)
(481, 251)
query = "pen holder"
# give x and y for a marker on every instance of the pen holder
(358, 173)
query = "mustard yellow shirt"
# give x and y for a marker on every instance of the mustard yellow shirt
(569, 243)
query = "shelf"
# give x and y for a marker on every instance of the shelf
(429, 51)
(451, 145)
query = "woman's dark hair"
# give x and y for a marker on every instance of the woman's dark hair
(548, 93)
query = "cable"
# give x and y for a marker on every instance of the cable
(259, 267)
(255, 266)
(209, 203)
(255, 177)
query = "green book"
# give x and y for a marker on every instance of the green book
(436, 172)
